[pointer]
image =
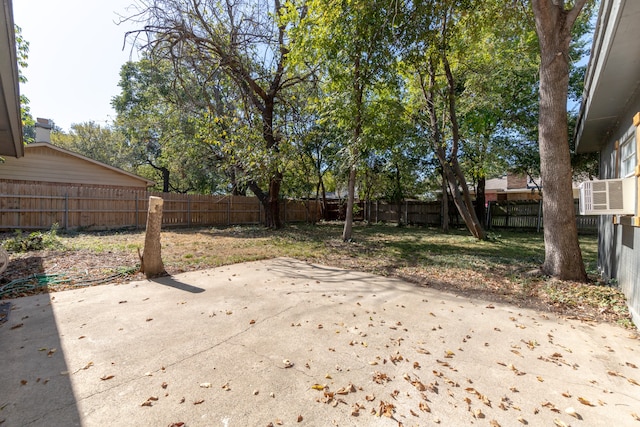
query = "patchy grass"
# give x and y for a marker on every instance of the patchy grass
(501, 269)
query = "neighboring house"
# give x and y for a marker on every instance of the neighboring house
(510, 187)
(10, 118)
(43, 163)
(46, 163)
(609, 123)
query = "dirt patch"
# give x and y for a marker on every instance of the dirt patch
(97, 258)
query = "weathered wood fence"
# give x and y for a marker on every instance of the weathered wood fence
(39, 206)
(524, 214)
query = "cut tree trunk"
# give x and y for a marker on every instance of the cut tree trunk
(151, 260)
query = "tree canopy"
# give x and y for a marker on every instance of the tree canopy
(370, 99)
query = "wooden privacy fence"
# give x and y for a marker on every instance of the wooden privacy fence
(522, 214)
(39, 206)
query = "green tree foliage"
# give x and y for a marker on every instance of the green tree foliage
(248, 43)
(28, 123)
(349, 44)
(160, 126)
(101, 143)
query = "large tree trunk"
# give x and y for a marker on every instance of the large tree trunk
(272, 211)
(445, 205)
(481, 200)
(563, 258)
(348, 215)
(358, 90)
(450, 167)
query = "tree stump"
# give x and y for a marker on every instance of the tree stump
(151, 259)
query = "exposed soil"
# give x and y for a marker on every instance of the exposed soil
(54, 270)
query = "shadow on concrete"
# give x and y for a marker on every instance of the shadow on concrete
(170, 281)
(35, 383)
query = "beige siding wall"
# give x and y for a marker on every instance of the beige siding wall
(43, 164)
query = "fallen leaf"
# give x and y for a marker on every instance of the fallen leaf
(16, 326)
(300, 418)
(635, 416)
(287, 363)
(252, 322)
(632, 381)
(523, 421)
(540, 378)
(631, 365)
(494, 423)
(477, 413)
(424, 407)
(370, 398)
(585, 401)
(559, 423)
(319, 387)
(106, 377)
(164, 385)
(571, 411)
(23, 382)
(205, 385)
(199, 401)
(178, 424)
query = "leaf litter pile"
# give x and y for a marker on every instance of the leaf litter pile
(502, 270)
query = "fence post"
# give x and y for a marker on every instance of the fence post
(406, 212)
(489, 215)
(66, 211)
(188, 211)
(136, 211)
(377, 209)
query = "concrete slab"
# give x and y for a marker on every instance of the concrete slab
(289, 343)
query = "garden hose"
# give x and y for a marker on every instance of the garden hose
(36, 281)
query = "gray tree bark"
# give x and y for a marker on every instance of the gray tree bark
(151, 259)
(563, 258)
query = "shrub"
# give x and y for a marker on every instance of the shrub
(35, 241)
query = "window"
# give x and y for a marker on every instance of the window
(628, 157)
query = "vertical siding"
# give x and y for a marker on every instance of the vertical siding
(619, 245)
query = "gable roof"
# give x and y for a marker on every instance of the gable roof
(44, 162)
(10, 117)
(613, 74)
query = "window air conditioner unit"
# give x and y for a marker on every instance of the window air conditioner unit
(608, 197)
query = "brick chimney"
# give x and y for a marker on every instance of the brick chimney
(516, 181)
(43, 130)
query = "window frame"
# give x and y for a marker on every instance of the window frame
(629, 160)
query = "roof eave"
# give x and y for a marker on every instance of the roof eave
(11, 143)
